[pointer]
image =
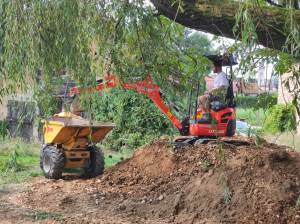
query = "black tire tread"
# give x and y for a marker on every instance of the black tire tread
(57, 161)
(97, 163)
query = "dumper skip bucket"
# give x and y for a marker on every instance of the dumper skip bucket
(66, 130)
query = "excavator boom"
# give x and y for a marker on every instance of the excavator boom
(146, 87)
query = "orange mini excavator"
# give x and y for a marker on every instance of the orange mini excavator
(223, 122)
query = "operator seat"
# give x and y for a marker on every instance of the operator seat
(229, 95)
(219, 105)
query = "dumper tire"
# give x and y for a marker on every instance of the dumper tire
(52, 162)
(96, 165)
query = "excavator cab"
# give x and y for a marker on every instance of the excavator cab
(223, 112)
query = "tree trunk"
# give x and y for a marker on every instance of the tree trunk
(219, 18)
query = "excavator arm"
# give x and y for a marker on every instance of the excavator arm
(146, 87)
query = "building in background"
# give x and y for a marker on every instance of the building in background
(245, 88)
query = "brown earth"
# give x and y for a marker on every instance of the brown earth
(161, 183)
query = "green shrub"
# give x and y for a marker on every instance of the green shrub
(245, 101)
(3, 128)
(280, 118)
(137, 119)
(264, 100)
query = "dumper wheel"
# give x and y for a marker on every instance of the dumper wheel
(52, 162)
(96, 166)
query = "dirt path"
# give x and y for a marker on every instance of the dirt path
(160, 183)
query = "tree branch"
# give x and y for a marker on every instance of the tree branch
(219, 18)
(139, 46)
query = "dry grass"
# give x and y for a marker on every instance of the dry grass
(289, 138)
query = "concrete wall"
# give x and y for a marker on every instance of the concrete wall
(20, 97)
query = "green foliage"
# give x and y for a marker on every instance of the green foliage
(257, 141)
(280, 118)
(12, 163)
(264, 100)
(40, 215)
(19, 160)
(195, 44)
(40, 40)
(245, 101)
(251, 55)
(226, 191)
(87, 39)
(3, 129)
(137, 118)
(297, 204)
(206, 164)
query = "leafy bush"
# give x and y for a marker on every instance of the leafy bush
(245, 101)
(280, 118)
(137, 118)
(264, 100)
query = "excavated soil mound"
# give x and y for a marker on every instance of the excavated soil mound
(160, 183)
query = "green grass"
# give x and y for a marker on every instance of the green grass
(41, 215)
(251, 117)
(19, 160)
(287, 138)
(112, 157)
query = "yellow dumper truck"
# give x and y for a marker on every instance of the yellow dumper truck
(69, 142)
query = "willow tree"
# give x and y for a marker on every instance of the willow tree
(253, 23)
(87, 39)
(269, 23)
(39, 39)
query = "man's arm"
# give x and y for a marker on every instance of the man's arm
(216, 90)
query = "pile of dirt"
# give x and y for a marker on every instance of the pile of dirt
(160, 183)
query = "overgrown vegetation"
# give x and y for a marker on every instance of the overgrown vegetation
(3, 129)
(262, 101)
(137, 118)
(281, 118)
(91, 39)
(19, 160)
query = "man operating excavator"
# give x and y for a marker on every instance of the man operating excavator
(218, 91)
